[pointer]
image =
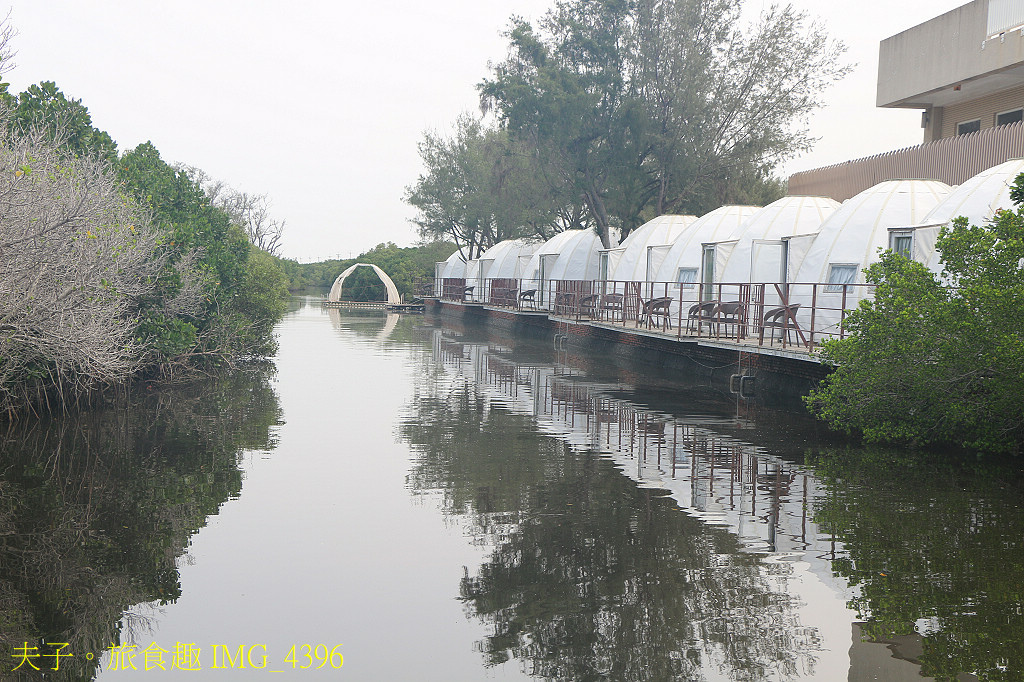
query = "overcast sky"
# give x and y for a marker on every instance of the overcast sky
(320, 104)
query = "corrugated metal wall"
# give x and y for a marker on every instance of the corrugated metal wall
(1004, 15)
(951, 160)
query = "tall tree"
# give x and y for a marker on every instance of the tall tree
(251, 212)
(657, 105)
(566, 94)
(237, 296)
(482, 186)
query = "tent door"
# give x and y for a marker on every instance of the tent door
(708, 274)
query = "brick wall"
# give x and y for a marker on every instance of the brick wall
(778, 379)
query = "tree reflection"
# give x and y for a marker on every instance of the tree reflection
(936, 548)
(591, 577)
(96, 507)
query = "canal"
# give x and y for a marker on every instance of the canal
(400, 500)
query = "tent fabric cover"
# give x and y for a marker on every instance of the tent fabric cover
(576, 255)
(504, 258)
(392, 290)
(454, 267)
(688, 249)
(979, 197)
(856, 231)
(855, 234)
(785, 217)
(632, 261)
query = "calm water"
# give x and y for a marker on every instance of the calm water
(429, 504)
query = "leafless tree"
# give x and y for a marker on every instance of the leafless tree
(7, 34)
(251, 212)
(76, 256)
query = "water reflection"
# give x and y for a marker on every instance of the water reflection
(376, 325)
(593, 576)
(345, 320)
(96, 508)
(634, 544)
(935, 548)
(619, 533)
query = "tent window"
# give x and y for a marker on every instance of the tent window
(840, 274)
(902, 243)
(686, 277)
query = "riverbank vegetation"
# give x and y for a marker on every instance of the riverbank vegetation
(937, 360)
(114, 265)
(407, 266)
(607, 114)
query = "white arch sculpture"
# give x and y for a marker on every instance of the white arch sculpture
(393, 296)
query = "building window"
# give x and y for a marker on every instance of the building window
(686, 277)
(902, 243)
(968, 127)
(840, 274)
(1007, 117)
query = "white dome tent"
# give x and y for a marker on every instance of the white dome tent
(505, 257)
(977, 199)
(850, 240)
(570, 255)
(759, 255)
(500, 262)
(454, 268)
(701, 250)
(637, 258)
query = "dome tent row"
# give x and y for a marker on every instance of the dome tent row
(796, 241)
(758, 250)
(573, 254)
(504, 261)
(637, 257)
(568, 256)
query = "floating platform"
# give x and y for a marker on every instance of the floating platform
(375, 305)
(782, 374)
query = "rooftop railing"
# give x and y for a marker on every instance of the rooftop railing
(951, 160)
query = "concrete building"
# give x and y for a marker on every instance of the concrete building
(963, 69)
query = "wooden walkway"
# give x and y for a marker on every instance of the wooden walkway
(374, 305)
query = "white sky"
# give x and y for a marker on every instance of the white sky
(320, 104)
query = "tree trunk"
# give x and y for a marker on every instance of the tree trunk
(597, 209)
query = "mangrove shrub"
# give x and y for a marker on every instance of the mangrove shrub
(937, 359)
